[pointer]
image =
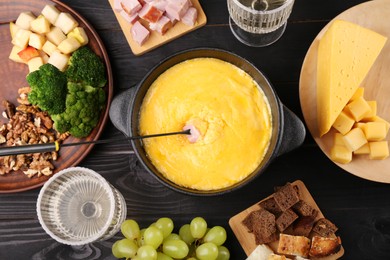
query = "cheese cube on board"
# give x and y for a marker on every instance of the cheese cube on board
(359, 93)
(375, 131)
(343, 123)
(365, 149)
(355, 139)
(340, 154)
(379, 150)
(359, 108)
(346, 52)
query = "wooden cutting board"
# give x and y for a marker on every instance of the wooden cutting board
(247, 240)
(155, 40)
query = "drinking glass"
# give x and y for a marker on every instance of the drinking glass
(77, 206)
(258, 23)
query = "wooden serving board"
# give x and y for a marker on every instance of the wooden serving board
(371, 15)
(247, 239)
(155, 40)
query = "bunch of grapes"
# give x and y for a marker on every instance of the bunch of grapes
(194, 241)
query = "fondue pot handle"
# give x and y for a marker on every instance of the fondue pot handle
(120, 110)
(294, 132)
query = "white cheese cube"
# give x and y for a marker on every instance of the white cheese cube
(66, 22)
(24, 19)
(50, 12)
(55, 35)
(69, 45)
(59, 60)
(36, 41)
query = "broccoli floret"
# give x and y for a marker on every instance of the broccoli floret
(83, 106)
(48, 89)
(86, 67)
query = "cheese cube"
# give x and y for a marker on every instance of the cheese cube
(24, 19)
(55, 35)
(343, 123)
(59, 60)
(69, 45)
(13, 28)
(21, 38)
(359, 108)
(34, 63)
(40, 25)
(379, 119)
(80, 35)
(14, 54)
(359, 125)
(365, 149)
(338, 139)
(375, 131)
(359, 93)
(50, 12)
(379, 150)
(36, 41)
(372, 113)
(66, 22)
(48, 47)
(340, 154)
(354, 139)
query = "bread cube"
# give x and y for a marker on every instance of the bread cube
(14, 54)
(80, 35)
(55, 35)
(365, 149)
(354, 139)
(66, 22)
(379, 150)
(50, 12)
(340, 154)
(21, 38)
(36, 41)
(40, 25)
(358, 108)
(59, 60)
(359, 93)
(13, 28)
(24, 19)
(375, 131)
(48, 47)
(69, 45)
(293, 245)
(34, 63)
(343, 123)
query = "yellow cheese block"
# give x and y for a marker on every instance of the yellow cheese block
(346, 53)
(379, 150)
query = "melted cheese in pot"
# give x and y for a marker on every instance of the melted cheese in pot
(228, 108)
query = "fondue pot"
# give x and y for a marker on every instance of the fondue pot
(287, 134)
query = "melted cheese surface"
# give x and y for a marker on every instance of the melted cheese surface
(228, 108)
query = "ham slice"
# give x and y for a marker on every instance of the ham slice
(159, 4)
(150, 13)
(139, 33)
(162, 25)
(129, 18)
(190, 16)
(177, 8)
(131, 6)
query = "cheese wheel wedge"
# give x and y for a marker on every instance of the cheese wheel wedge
(346, 52)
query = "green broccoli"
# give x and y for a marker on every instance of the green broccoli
(83, 106)
(48, 89)
(86, 67)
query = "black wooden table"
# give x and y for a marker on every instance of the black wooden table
(360, 208)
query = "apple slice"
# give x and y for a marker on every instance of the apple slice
(28, 53)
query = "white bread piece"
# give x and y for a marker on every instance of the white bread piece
(294, 245)
(261, 252)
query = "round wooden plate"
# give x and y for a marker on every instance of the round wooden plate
(13, 76)
(372, 15)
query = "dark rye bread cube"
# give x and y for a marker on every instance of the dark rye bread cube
(304, 209)
(303, 226)
(286, 219)
(270, 205)
(286, 197)
(325, 228)
(262, 223)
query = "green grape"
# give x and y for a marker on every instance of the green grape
(165, 225)
(191, 258)
(177, 249)
(124, 248)
(147, 253)
(140, 240)
(216, 235)
(198, 227)
(207, 251)
(153, 237)
(185, 234)
(162, 256)
(130, 229)
(172, 236)
(223, 253)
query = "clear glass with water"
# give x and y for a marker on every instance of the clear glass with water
(259, 23)
(78, 206)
